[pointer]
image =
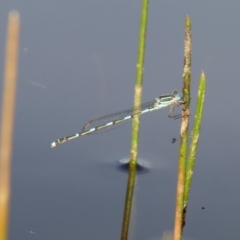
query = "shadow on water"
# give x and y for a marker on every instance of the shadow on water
(123, 165)
(112, 164)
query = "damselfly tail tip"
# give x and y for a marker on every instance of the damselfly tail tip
(53, 145)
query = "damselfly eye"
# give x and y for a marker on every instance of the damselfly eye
(175, 93)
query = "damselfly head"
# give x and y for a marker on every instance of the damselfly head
(177, 95)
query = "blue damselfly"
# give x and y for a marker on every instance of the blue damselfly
(118, 117)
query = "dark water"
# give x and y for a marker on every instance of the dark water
(77, 62)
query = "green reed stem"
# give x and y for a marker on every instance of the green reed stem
(136, 120)
(195, 137)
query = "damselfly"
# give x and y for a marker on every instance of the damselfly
(118, 117)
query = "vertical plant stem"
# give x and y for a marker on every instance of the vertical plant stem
(8, 104)
(195, 137)
(136, 120)
(183, 132)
